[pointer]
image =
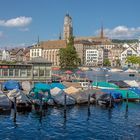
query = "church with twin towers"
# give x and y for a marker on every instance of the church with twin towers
(49, 49)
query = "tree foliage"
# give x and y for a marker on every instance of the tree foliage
(7, 62)
(106, 62)
(133, 59)
(68, 56)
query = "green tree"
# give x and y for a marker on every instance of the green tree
(133, 59)
(106, 62)
(68, 56)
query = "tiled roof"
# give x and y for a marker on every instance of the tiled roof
(52, 44)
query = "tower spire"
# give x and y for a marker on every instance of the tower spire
(102, 31)
(60, 36)
(38, 40)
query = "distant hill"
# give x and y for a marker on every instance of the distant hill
(124, 41)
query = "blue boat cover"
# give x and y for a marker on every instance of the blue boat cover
(115, 94)
(135, 89)
(59, 85)
(11, 84)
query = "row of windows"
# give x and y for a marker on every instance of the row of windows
(24, 72)
(15, 72)
(91, 54)
(35, 50)
(91, 51)
(91, 58)
(35, 54)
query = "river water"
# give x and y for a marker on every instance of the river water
(98, 123)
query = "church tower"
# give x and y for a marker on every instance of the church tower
(102, 32)
(68, 30)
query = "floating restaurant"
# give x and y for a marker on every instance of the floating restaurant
(38, 69)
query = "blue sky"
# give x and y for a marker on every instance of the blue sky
(21, 21)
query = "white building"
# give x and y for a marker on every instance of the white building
(94, 57)
(5, 55)
(126, 53)
(48, 50)
(36, 51)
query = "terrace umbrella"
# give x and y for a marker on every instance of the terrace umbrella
(68, 72)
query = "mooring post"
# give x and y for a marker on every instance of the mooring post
(110, 101)
(15, 108)
(127, 100)
(41, 104)
(88, 100)
(65, 105)
(88, 105)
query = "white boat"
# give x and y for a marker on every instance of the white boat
(131, 71)
(96, 69)
(115, 70)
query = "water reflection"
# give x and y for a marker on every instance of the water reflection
(88, 114)
(78, 124)
(126, 112)
(14, 116)
(109, 113)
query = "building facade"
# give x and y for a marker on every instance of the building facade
(5, 55)
(48, 50)
(126, 53)
(36, 70)
(114, 55)
(94, 57)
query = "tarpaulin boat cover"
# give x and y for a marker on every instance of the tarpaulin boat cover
(131, 94)
(71, 90)
(59, 85)
(104, 84)
(11, 84)
(4, 101)
(132, 83)
(26, 86)
(114, 93)
(42, 86)
(60, 96)
(40, 91)
(135, 89)
(20, 96)
(55, 91)
(120, 83)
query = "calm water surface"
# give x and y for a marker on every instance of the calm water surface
(118, 123)
(105, 76)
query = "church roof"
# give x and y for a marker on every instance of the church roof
(52, 44)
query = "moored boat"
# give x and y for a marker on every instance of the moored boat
(104, 85)
(5, 103)
(117, 97)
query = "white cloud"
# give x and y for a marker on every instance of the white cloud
(16, 22)
(121, 32)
